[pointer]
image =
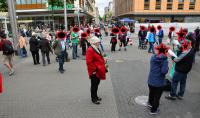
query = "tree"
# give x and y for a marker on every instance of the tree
(3, 6)
(100, 18)
(105, 18)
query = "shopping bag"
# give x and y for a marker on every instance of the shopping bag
(172, 71)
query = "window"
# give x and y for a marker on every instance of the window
(18, 2)
(158, 4)
(192, 4)
(23, 1)
(34, 1)
(180, 4)
(28, 1)
(146, 4)
(169, 4)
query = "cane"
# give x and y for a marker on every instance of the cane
(1, 83)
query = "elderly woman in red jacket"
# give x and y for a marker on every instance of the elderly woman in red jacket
(96, 67)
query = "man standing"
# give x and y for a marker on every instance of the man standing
(60, 50)
(45, 48)
(34, 48)
(8, 51)
(151, 39)
(182, 68)
(160, 34)
(96, 67)
(74, 45)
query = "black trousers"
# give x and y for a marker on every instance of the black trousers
(94, 87)
(83, 50)
(36, 57)
(43, 57)
(113, 46)
(155, 94)
(122, 42)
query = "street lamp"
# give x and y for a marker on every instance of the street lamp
(65, 14)
(12, 14)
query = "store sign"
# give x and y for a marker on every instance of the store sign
(69, 7)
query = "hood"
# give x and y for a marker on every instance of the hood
(159, 58)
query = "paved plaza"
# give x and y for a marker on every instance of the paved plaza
(42, 92)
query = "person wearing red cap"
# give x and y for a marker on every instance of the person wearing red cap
(142, 36)
(156, 80)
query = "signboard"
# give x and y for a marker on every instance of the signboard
(69, 7)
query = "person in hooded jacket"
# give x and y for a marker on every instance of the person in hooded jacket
(34, 48)
(156, 80)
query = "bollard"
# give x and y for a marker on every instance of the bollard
(1, 83)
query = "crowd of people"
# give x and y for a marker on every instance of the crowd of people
(90, 40)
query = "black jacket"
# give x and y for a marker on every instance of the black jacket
(184, 64)
(34, 44)
(44, 45)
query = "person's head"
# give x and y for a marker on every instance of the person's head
(3, 36)
(95, 41)
(33, 34)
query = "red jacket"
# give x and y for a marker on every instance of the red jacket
(95, 63)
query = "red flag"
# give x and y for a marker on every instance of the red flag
(1, 83)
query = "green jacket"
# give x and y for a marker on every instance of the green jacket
(74, 37)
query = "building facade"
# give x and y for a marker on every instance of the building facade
(159, 10)
(42, 12)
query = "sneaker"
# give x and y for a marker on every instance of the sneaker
(99, 99)
(96, 102)
(124, 49)
(154, 112)
(169, 97)
(11, 73)
(179, 97)
(119, 49)
(149, 105)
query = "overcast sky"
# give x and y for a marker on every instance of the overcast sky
(101, 4)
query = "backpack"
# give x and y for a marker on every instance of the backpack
(8, 48)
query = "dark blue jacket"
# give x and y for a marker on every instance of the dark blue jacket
(158, 69)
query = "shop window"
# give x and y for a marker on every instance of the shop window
(146, 4)
(192, 4)
(158, 4)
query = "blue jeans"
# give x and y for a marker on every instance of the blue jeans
(21, 52)
(151, 47)
(102, 47)
(61, 60)
(160, 40)
(178, 78)
(74, 50)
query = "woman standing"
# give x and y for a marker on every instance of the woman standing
(156, 79)
(96, 67)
